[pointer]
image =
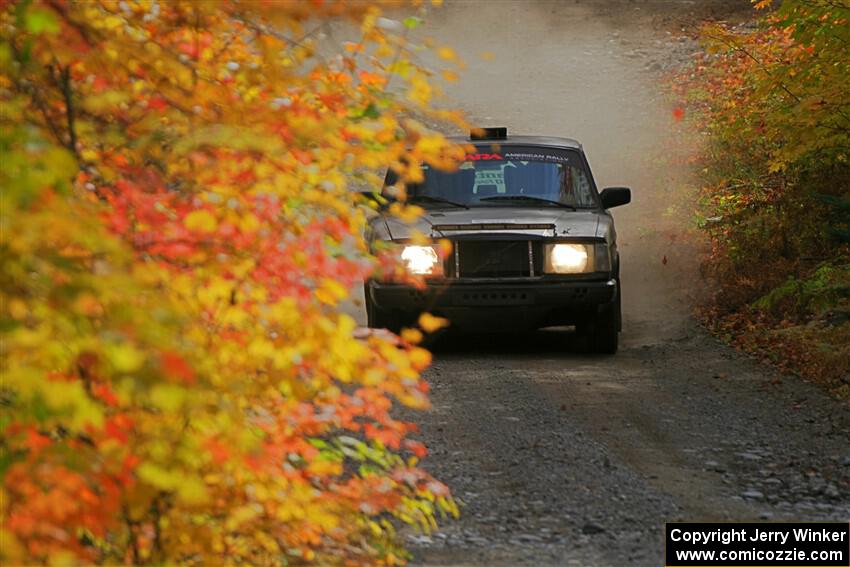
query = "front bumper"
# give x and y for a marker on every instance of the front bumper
(532, 302)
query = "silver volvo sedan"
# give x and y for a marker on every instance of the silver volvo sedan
(532, 243)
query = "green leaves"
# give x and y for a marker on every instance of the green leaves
(412, 22)
(40, 21)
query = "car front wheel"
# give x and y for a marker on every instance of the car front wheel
(602, 333)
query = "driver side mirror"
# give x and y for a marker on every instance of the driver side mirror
(615, 196)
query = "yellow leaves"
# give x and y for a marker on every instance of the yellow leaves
(431, 324)
(200, 221)
(111, 23)
(331, 292)
(12, 552)
(325, 468)
(104, 102)
(157, 476)
(777, 165)
(419, 358)
(420, 238)
(242, 515)
(192, 491)
(188, 488)
(62, 398)
(413, 336)
(447, 54)
(168, 397)
(18, 309)
(249, 223)
(261, 348)
(384, 51)
(406, 213)
(431, 144)
(402, 67)
(420, 91)
(124, 357)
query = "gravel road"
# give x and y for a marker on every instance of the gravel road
(563, 459)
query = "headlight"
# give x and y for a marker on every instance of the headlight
(421, 260)
(565, 258)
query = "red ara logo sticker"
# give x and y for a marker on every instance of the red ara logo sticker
(477, 157)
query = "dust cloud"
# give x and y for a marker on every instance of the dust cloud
(574, 69)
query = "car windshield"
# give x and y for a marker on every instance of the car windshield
(509, 178)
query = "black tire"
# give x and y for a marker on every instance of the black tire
(604, 337)
(377, 318)
(602, 333)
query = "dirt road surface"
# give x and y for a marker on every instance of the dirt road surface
(563, 459)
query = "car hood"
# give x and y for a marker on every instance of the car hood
(506, 220)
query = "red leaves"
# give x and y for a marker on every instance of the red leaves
(678, 113)
(105, 394)
(36, 441)
(100, 84)
(118, 428)
(416, 447)
(304, 157)
(175, 366)
(218, 450)
(47, 501)
(158, 103)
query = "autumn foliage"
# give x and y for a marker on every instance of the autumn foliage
(179, 383)
(772, 99)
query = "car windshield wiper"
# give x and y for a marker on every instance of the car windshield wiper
(527, 198)
(431, 199)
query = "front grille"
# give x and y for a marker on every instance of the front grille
(495, 259)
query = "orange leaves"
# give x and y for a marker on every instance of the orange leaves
(447, 54)
(371, 79)
(35, 440)
(175, 366)
(118, 428)
(157, 103)
(218, 450)
(104, 393)
(48, 500)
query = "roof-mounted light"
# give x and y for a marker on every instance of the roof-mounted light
(498, 133)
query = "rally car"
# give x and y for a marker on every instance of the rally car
(532, 243)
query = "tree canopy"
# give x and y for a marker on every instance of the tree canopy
(772, 100)
(178, 231)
